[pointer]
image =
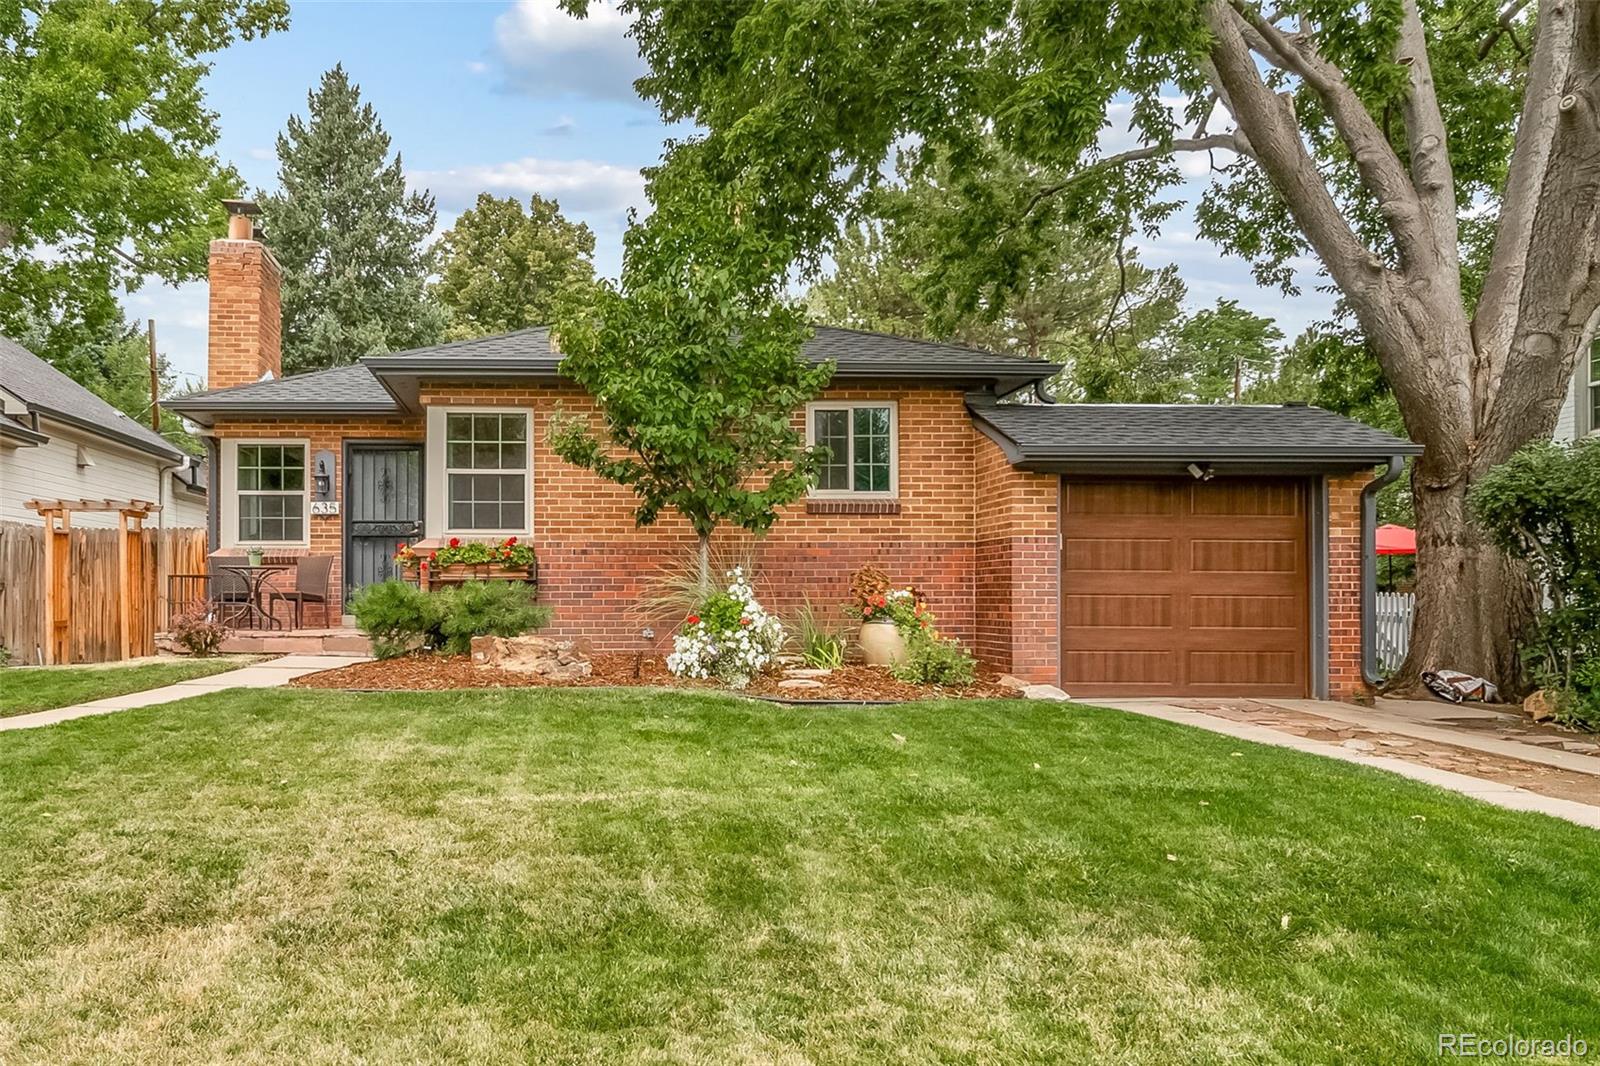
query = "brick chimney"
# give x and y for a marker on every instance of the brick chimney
(246, 320)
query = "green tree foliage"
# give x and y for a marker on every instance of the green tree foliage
(503, 268)
(1544, 506)
(107, 173)
(1085, 302)
(349, 236)
(694, 360)
(1224, 353)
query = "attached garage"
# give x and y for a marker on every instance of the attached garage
(1185, 588)
(1205, 551)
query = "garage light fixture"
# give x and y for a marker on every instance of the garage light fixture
(1202, 473)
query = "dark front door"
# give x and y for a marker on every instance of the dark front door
(383, 508)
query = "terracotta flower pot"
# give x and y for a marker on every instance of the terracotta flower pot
(881, 644)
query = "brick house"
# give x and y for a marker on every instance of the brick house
(1150, 550)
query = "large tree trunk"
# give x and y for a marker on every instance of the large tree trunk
(1472, 601)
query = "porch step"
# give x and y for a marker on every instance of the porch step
(297, 642)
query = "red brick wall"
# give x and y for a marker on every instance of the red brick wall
(244, 319)
(1344, 585)
(326, 532)
(1017, 559)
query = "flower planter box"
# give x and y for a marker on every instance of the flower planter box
(460, 573)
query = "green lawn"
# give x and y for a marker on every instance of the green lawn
(39, 689)
(601, 876)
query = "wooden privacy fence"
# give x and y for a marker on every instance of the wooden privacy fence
(88, 580)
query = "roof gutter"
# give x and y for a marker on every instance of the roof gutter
(1369, 569)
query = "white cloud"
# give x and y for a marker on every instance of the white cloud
(580, 184)
(477, 66)
(542, 49)
(261, 153)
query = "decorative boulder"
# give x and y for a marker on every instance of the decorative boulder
(558, 660)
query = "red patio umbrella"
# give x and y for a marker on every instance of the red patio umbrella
(1396, 540)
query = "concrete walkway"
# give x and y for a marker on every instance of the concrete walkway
(269, 674)
(1501, 795)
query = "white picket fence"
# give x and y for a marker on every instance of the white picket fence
(1395, 611)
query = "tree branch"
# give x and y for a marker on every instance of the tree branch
(1496, 316)
(1381, 171)
(1508, 15)
(1210, 142)
(1431, 173)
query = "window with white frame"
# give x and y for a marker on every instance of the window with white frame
(270, 485)
(1594, 386)
(486, 471)
(862, 449)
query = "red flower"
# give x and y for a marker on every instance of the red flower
(744, 621)
(433, 556)
(879, 601)
(866, 612)
(693, 619)
(400, 545)
(511, 540)
(455, 542)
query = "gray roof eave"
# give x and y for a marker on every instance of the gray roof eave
(17, 431)
(170, 451)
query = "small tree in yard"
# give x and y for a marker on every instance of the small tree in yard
(694, 361)
(1544, 506)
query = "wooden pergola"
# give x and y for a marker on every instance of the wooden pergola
(57, 515)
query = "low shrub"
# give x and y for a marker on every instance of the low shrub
(401, 618)
(398, 617)
(820, 643)
(487, 608)
(935, 660)
(731, 637)
(198, 632)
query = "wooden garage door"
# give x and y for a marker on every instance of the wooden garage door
(1185, 588)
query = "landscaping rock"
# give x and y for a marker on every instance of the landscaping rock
(1538, 707)
(1582, 747)
(806, 672)
(1360, 745)
(1012, 681)
(1043, 692)
(799, 683)
(558, 660)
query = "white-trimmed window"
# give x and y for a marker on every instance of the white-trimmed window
(1594, 386)
(486, 471)
(863, 446)
(270, 493)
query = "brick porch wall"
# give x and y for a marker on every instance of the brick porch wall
(1344, 585)
(1017, 566)
(326, 532)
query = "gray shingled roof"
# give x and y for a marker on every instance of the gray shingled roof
(343, 389)
(50, 392)
(359, 388)
(1045, 433)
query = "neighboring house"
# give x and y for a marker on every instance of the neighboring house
(59, 441)
(1149, 550)
(1580, 413)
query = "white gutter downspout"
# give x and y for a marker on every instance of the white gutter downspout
(1369, 569)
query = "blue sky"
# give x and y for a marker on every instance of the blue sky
(517, 98)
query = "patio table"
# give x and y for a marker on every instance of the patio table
(255, 575)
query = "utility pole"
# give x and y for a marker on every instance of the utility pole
(1238, 371)
(155, 381)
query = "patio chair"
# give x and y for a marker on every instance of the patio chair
(310, 586)
(229, 595)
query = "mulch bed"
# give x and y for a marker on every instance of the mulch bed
(848, 684)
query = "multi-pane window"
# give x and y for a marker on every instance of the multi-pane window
(486, 471)
(860, 443)
(1594, 386)
(270, 480)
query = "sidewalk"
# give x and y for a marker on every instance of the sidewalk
(1234, 719)
(261, 675)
